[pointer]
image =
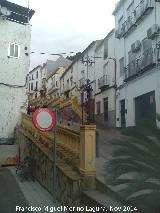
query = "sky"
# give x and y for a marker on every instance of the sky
(67, 25)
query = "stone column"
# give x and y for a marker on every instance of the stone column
(88, 150)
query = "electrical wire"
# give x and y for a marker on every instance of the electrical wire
(21, 86)
(43, 53)
(14, 85)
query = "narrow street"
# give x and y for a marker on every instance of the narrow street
(79, 106)
(10, 193)
(23, 195)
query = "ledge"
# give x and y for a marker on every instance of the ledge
(88, 127)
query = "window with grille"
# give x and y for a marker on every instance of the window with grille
(36, 85)
(71, 80)
(31, 86)
(105, 48)
(14, 50)
(121, 63)
(120, 22)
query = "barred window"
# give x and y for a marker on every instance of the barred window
(121, 63)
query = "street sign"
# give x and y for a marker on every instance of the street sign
(43, 119)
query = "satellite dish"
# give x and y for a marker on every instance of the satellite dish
(4, 11)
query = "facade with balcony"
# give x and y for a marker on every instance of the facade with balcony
(78, 73)
(53, 83)
(55, 70)
(137, 54)
(34, 82)
(103, 82)
(105, 70)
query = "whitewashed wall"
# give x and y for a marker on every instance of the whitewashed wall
(145, 83)
(75, 72)
(13, 71)
(106, 67)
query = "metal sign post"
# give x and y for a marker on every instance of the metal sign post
(44, 120)
(54, 159)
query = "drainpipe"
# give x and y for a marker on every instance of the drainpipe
(115, 85)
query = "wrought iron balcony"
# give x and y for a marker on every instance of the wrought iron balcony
(103, 82)
(141, 64)
(127, 26)
(52, 89)
(143, 9)
(136, 16)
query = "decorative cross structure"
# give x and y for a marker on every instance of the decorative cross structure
(88, 61)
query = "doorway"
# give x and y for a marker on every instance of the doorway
(145, 108)
(123, 111)
(105, 102)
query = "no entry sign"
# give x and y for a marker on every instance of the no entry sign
(43, 119)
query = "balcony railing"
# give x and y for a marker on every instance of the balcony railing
(141, 64)
(144, 7)
(103, 82)
(54, 87)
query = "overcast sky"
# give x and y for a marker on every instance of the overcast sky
(67, 25)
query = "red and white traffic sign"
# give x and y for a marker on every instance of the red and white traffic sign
(43, 119)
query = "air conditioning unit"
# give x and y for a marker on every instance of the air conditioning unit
(136, 46)
(152, 32)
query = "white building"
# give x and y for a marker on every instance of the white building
(105, 74)
(75, 77)
(53, 83)
(35, 78)
(15, 36)
(54, 72)
(137, 54)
